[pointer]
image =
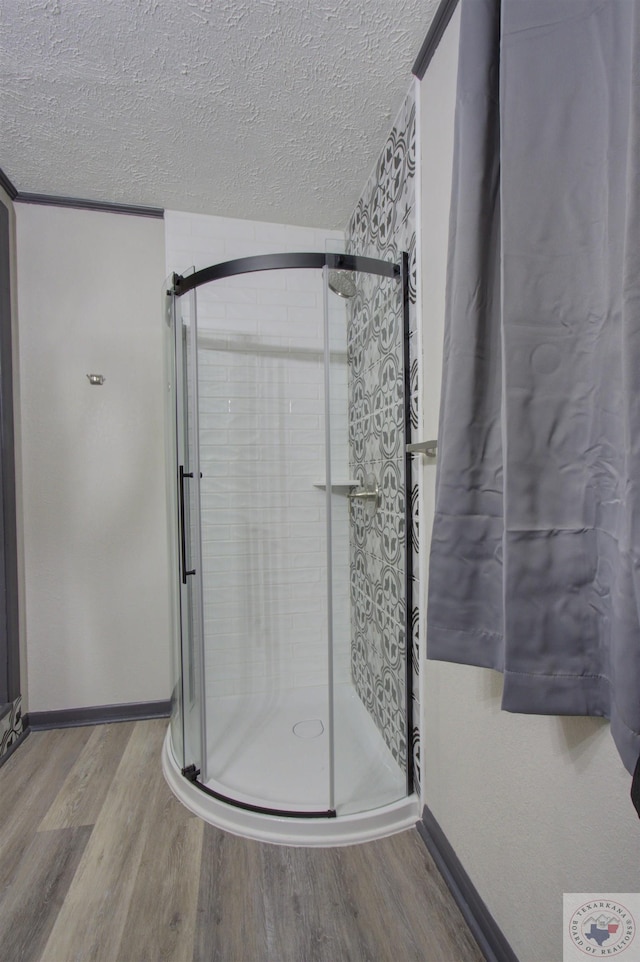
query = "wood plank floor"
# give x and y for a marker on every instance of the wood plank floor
(100, 863)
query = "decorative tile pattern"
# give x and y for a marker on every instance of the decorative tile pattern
(11, 726)
(383, 225)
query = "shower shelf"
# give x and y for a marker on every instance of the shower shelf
(338, 485)
(428, 448)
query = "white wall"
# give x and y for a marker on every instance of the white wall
(261, 412)
(96, 568)
(533, 806)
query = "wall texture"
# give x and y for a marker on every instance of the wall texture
(533, 806)
(383, 225)
(97, 612)
(250, 109)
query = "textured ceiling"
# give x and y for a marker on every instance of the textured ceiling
(263, 109)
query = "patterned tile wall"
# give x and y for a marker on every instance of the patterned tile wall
(11, 727)
(383, 225)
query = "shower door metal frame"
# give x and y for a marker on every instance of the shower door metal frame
(190, 550)
(408, 520)
(182, 284)
(281, 262)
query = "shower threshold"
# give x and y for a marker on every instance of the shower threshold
(260, 759)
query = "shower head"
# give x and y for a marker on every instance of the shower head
(342, 283)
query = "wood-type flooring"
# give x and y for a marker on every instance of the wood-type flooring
(100, 863)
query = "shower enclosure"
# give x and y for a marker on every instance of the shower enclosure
(288, 415)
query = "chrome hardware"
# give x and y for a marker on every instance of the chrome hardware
(96, 379)
(428, 448)
(370, 491)
(364, 494)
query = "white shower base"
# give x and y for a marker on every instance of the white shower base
(255, 757)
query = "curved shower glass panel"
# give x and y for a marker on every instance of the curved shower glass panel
(293, 689)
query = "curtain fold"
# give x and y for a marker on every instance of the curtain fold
(535, 558)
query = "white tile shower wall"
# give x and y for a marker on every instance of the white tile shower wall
(262, 419)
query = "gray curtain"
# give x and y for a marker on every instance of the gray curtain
(535, 559)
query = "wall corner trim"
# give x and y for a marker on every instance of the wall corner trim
(7, 186)
(482, 924)
(97, 715)
(80, 203)
(435, 33)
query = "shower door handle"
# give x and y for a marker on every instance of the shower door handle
(183, 529)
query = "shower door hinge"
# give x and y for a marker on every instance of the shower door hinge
(191, 772)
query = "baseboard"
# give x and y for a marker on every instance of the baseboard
(482, 924)
(97, 715)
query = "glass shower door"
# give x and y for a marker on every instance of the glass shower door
(292, 548)
(262, 452)
(189, 547)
